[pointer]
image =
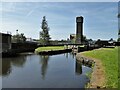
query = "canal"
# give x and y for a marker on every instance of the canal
(36, 71)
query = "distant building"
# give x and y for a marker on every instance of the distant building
(5, 42)
(72, 38)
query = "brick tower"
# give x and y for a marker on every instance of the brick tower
(79, 29)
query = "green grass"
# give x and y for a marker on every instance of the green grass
(49, 48)
(81, 45)
(119, 68)
(109, 59)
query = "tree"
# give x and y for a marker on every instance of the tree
(118, 39)
(119, 30)
(84, 38)
(18, 37)
(90, 41)
(119, 15)
(22, 37)
(44, 34)
(118, 36)
(119, 33)
(111, 39)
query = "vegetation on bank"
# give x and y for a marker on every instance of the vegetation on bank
(109, 59)
(49, 48)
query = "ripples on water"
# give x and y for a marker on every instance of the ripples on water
(36, 71)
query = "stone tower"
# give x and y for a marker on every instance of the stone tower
(79, 29)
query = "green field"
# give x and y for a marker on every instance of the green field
(49, 48)
(109, 59)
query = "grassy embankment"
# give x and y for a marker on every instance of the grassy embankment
(49, 48)
(109, 59)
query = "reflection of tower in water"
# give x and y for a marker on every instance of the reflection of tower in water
(78, 67)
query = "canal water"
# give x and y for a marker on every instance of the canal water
(36, 71)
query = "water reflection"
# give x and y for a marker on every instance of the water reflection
(19, 62)
(78, 68)
(73, 55)
(66, 55)
(8, 63)
(69, 54)
(44, 65)
(59, 71)
(6, 67)
(0, 66)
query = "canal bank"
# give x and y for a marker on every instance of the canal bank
(54, 52)
(16, 48)
(46, 50)
(108, 57)
(97, 77)
(15, 52)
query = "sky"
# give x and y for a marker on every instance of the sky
(100, 18)
(59, 0)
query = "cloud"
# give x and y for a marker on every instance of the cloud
(7, 7)
(31, 11)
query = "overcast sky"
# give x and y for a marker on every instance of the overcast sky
(100, 18)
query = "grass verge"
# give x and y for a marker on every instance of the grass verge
(109, 59)
(49, 48)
